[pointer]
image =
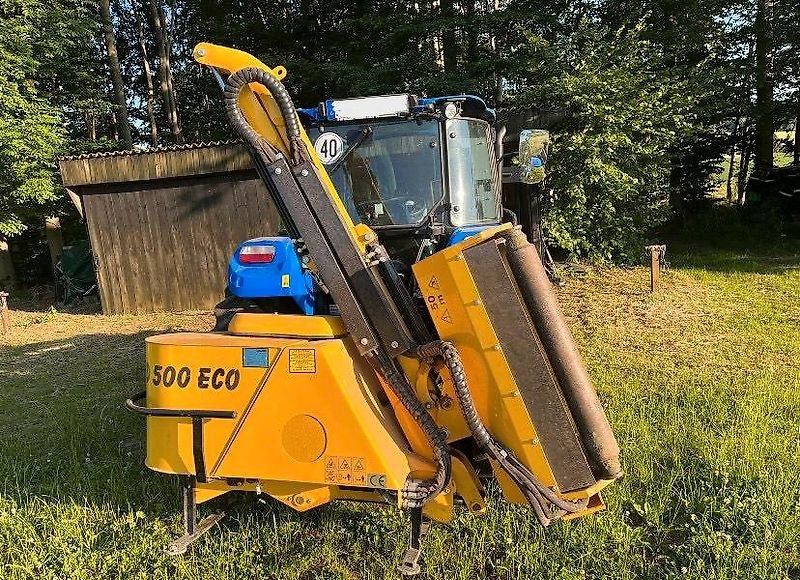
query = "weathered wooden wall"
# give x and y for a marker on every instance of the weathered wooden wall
(168, 248)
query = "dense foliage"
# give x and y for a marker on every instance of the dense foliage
(644, 99)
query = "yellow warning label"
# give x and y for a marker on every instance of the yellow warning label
(285, 281)
(302, 360)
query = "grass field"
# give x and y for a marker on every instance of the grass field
(701, 383)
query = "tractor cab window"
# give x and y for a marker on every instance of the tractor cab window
(387, 173)
(473, 175)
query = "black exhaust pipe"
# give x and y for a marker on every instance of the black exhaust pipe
(590, 419)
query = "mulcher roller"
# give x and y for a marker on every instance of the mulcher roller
(562, 353)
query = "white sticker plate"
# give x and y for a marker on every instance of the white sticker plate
(329, 147)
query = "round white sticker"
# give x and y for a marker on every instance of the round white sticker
(329, 146)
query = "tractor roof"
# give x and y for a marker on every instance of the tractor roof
(394, 106)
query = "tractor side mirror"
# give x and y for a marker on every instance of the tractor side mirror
(534, 145)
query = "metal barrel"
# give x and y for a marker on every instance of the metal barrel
(590, 419)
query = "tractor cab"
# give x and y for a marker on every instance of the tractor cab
(423, 173)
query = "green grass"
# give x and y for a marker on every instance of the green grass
(700, 381)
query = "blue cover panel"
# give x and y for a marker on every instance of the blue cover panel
(284, 276)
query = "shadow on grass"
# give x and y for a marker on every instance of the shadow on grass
(65, 434)
(719, 237)
(64, 431)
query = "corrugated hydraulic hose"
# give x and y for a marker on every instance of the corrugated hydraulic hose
(546, 504)
(233, 87)
(417, 493)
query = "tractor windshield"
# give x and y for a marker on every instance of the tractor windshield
(387, 173)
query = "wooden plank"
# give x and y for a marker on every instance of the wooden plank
(176, 258)
(217, 210)
(138, 254)
(164, 283)
(148, 255)
(192, 272)
(119, 255)
(97, 222)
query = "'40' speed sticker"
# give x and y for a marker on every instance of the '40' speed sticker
(329, 147)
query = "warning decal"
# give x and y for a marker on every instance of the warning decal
(434, 283)
(302, 360)
(345, 470)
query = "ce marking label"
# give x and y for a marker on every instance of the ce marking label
(376, 480)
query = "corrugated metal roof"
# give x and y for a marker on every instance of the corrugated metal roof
(159, 149)
(153, 164)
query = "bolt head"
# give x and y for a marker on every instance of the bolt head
(365, 341)
(278, 171)
(201, 52)
(304, 173)
(395, 344)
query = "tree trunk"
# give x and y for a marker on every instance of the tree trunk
(91, 126)
(471, 29)
(6, 266)
(796, 159)
(148, 77)
(116, 75)
(55, 240)
(744, 167)
(114, 126)
(164, 72)
(732, 161)
(176, 118)
(449, 48)
(765, 128)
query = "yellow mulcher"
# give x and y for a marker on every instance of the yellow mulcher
(399, 343)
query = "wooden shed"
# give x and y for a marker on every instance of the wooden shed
(163, 223)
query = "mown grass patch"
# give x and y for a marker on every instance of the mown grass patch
(701, 383)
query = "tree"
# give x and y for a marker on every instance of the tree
(116, 76)
(610, 162)
(30, 128)
(765, 126)
(159, 24)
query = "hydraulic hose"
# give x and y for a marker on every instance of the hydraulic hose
(233, 87)
(417, 493)
(545, 502)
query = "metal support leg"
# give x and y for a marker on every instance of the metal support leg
(410, 565)
(191, 528)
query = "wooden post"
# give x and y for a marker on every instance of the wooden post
(5, 316)
(55, 240)
(6, 266)
(656, 259)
